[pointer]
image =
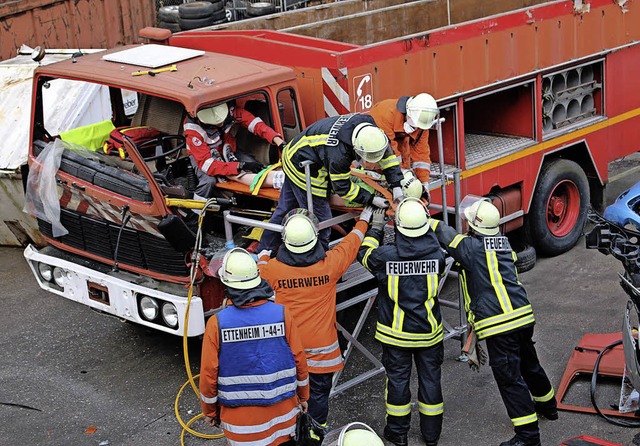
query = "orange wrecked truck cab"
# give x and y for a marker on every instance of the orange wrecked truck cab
(122, 241)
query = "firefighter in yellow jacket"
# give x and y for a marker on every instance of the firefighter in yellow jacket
(409, 322)
(245, 346)
(500, 312)
(304, 277)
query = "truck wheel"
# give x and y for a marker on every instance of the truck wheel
(559, 207)
(168, 14)
(526, 259)
(195, 23)
(260, 8)
(199, 10)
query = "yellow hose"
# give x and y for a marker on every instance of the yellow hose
(186, 427)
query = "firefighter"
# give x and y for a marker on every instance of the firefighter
(499, 311)
(304, 276)
(406, 121)
(409, 321)
(212, 146)
(331, 145)
(245, 345)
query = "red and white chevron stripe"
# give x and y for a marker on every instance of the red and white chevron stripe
(85, 204)
(335, 91)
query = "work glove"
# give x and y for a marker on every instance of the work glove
(366, 213)
(380, 202)
(378, 219)
(250, 166)
(476, 355)
(397, 194)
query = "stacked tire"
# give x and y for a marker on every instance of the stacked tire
(168, 17)
(260, 8)
(200, 14)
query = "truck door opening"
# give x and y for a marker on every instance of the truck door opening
(498, 123)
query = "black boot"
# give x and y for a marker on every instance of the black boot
(548, 412)
(517, 441)
(397, 439)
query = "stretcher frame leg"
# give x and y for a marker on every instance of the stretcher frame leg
(370, 297)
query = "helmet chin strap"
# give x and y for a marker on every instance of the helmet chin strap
(408, 128)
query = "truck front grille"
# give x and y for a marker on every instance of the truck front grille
(137, 249)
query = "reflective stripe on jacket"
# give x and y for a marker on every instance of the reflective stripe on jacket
(204, 142)
(309, 293)
(408, 274)
(495, 300)
(256, 364)
(252, 425)
(327, 144)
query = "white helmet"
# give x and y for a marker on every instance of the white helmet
(411, 187)
(239, 270)
(422, 111)
(412, 218)
(300, 232)
(214, 115)
(353, 434)
(369, 142)
(481, 214)
(361, 437)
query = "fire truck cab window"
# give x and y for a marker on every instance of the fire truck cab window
(289, 115)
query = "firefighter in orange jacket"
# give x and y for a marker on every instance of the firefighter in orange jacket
(244, 347)
(304, 277)
(406, 121)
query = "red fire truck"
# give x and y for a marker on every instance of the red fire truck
(537, 98)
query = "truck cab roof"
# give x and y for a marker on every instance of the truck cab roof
(198, 80)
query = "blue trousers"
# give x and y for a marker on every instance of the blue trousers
(397, 363)
(319, 388)
(291, 197)
(519, 375)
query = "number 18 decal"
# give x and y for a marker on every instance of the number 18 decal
(363, 86)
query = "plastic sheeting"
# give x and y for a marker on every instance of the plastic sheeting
(41, 196)
(67, 111)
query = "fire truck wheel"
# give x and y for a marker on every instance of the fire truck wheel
(260, 8)
(559, 207)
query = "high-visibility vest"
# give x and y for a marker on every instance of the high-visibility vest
(257, 367)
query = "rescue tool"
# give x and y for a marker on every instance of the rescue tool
(173, 67)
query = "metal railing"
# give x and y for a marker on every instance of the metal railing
(357, 274)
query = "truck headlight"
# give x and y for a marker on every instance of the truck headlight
(170, 314)
(149, 308)
(46, 272)
(59, 276)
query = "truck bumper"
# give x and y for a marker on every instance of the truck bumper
(116, 293)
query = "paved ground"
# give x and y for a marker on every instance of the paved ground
(71, 376)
